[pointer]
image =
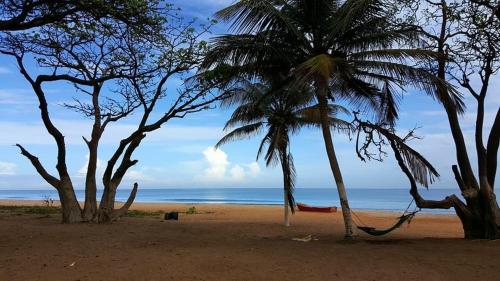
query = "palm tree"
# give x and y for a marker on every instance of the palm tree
(347, 50)
(279, 114)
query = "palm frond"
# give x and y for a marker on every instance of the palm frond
(321, 66)
(310, 117)
(248, 16)
(246, 114)
(353, 13)
(243, 49)
(242, 132)
(265, 141)
(400, 55)
(356, 92)
(276, 140)
(312, 112)
(388, 112)
(421, 169)
(246, 92)
(418, 78)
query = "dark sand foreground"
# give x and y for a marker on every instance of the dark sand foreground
(240, 243)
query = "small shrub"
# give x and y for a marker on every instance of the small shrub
(191, 211)
(140, 214)
(42, 210)
(48, 201)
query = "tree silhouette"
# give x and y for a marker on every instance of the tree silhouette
(278, 114)
(343, 50)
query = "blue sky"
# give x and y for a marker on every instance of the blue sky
(180, 154)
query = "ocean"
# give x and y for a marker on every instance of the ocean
(363, 199)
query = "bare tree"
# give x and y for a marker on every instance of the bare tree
(465, 36)
(196, 95)
(133, 67)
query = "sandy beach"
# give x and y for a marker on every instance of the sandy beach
(236, 242)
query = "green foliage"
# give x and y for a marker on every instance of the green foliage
(218, 74)
(141, 214)
(191, 211)
(18, 15)
(349, 50)
(31, 210)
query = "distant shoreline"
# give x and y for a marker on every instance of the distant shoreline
(173, 206)
(212, 188)
(369, 199)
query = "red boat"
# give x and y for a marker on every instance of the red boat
(306, 208)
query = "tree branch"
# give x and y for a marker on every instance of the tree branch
(39, 168)
(492, 150)
(44, 112)
(451, 201)
(124, 209)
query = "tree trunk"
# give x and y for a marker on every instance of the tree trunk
(285, 167)
(490, 215)
(334, 165)
(287, 207)
(90, 207)
(107, 212)
(107, 204)
(124, 209)
(485, 224)
(480, 216)
(71, 210)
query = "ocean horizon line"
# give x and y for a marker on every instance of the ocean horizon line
(384, 199)
(209, 188)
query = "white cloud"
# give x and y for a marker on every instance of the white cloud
(219, 169)
(237, 173)
(7, 169)
(217, 163)
(254, 169)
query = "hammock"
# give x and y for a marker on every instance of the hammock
(374, 232)
(406, 217)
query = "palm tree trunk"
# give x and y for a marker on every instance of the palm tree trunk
(285, 167)
(287, 218)
(334, 164)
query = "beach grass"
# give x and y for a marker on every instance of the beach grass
(32, 210)
(50, 210)
(142, 214)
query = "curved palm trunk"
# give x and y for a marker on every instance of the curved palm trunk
(334, 164)
(287, 207)
(285, 167)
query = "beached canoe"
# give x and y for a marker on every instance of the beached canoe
(306, 208)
